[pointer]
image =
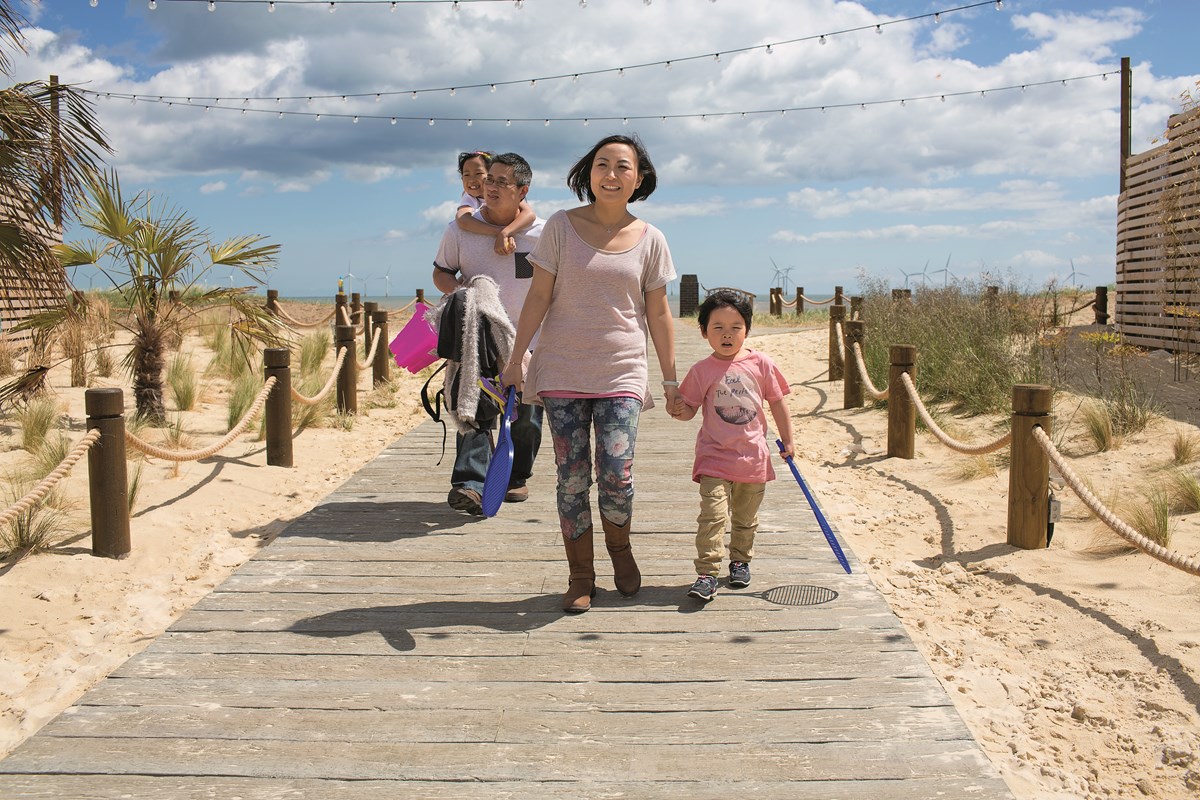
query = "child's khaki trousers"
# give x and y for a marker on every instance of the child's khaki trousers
(722, 502)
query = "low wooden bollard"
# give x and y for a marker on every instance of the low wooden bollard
(1029, 469)
(799, 300)
(108, 481)
(273, 302)
(775, 302)
(838, 297)
(837, 316)
(347, 379)
(277, 364)
(902, 412)
(856, 305)
(341, 307)
(421, 296)
(356, 309)
(380, 367)
(1101, 305)
(368, 316)
(852, 388)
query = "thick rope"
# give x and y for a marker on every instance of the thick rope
(371, 355)
(407, 306)
(1122, 529)
(1091, 302)
(953, 444)
(319, 396)
(39, 492)
(196, 455)
(841, 340)
(787, 303)
(295, 323)
(812, 302)
(345, 319)
(865, 378)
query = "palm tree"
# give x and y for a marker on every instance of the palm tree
(157, 258)
(50, 141)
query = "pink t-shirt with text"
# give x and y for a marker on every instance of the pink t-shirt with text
(732, 441)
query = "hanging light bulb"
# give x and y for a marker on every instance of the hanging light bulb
(212, 5)
(356, 119)
(456, 5)
(575, 78)
(999, 4)
(318, 118)
(393, 120)
(508, 123)
(621, 72)
(519, 4)
(206, 109)
(625, 121)
(453, 91)
(586, 122)
(492, 88)
(879, 29)
(546, 123)
(470, 122)
(378, 98)
(153, 4)
(533, 83)
(343, 98)
(668, 65)
(281, 115)
(822, 39)
(393, 8)
(431, 122)
(332, 7)
(902, 104)
(271, 7)
(937, 17)
(93, 3)
(414, 95)
(309, 101)
(716, 57)
(243, 112)
(943, 98)
(583, 3)
(647, 2)
(769, 50)
(1104, 77)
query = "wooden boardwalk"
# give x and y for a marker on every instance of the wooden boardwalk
(385, 646)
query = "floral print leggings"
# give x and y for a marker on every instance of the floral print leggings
(616, 422)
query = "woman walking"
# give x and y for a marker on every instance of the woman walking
(599, 287)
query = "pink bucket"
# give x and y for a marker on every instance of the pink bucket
(415, 347)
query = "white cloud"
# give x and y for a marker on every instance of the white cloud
(213, 188)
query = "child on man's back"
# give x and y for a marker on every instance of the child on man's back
(473, 169)
(733, 457)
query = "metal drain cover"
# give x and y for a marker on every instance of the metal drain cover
(799, 595)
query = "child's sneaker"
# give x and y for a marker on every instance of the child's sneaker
(739, 574)
(705, 588)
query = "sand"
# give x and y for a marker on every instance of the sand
(1077, 668)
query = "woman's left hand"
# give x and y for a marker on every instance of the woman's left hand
(671, 394)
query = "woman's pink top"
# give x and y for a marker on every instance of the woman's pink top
(593, 339)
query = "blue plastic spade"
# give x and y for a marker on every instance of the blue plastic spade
(825, 529)
(495, 483)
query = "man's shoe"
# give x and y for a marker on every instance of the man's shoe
(517, 494)
(739, 574)
(462, 498)
(705, 588)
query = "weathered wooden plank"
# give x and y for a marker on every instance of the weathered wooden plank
(734, 784)
(799, 692)
(652, 763)
(691, 723)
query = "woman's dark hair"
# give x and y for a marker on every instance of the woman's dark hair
(723, 298)
(579, 179)
(484, 154)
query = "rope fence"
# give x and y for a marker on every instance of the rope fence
(942, 436)
(371, 354)
(295, 323)
(875, 393)
(195, 455)
(321, 395)
(38, 493)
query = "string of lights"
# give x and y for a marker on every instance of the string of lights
(625, 120)
(492, 86)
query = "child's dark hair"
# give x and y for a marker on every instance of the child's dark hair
(723, 298)
(484, 154)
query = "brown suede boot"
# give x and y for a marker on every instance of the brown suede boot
(625, 570)
(582, 587)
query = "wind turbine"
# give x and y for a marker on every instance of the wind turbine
(348, 276)
(907, 275)
(944, 272)
(781, 275)
(1074, 273)
(387, 283)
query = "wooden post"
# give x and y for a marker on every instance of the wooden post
(356, 309)
(347, 380)
(1029, 469)
(776, 301)
(273, 302)
(368, 316)
(852, 388)
(1126, 117)
(277, 363)
(340, 304)
(108, 482)
(1101, 305)
(902, 413)
(837, 315)
(838, 300)
(380, 367)
(856, 304)
(689, 295)
(799, 300)
(421, 296)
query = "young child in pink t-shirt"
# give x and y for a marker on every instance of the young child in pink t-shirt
(733, 456)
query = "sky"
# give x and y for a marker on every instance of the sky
(829, 156)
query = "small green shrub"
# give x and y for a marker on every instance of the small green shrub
(242, 393)
(33, 530)
(1152, 517)
(53, 451)
(313, 350)
(181, 381)
(36, 418)
(1185, 448)
(1098, 422)
(1185, 491)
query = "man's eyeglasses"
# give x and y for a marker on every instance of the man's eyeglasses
(499, 183)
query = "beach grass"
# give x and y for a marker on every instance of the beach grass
(35, 419)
